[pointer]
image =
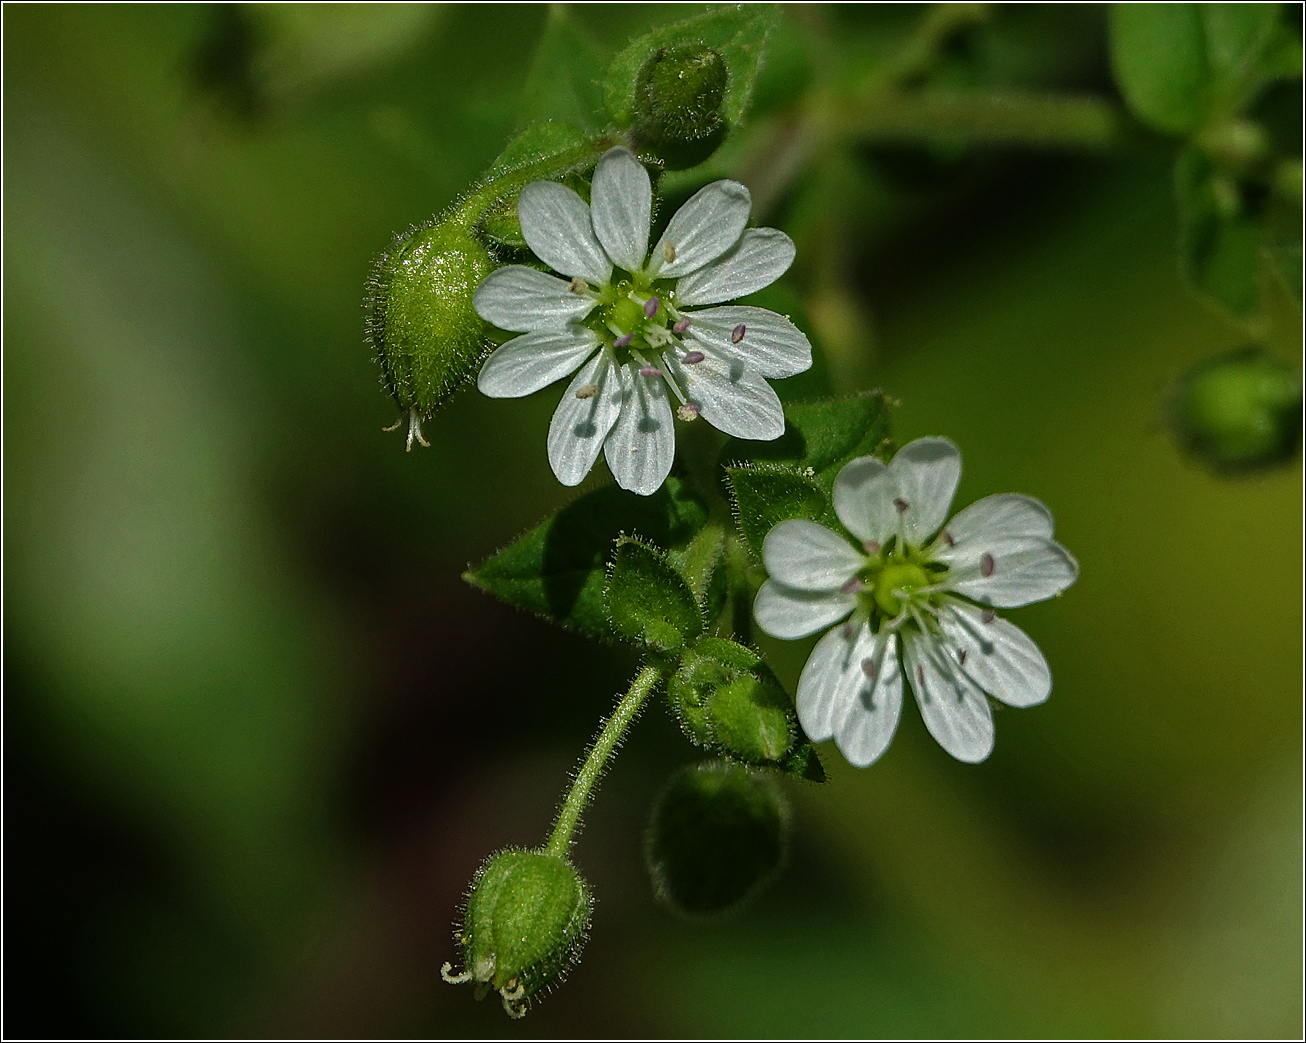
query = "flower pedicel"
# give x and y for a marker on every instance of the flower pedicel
(920, 598)
(622, 323)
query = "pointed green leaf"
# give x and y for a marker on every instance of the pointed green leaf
(737, 32)
(821, 436)
(1219, 242)
(566, 75)
(765, 496)
(558, 569)
(648, 601)
(1158, 53)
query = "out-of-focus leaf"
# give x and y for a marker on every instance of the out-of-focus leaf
(1219, 242)
(1239, 39)
(1158, 52)
(648, 601)
(557, 569)
(738, 32)
(566, 77)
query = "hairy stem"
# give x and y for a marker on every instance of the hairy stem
(596, 760)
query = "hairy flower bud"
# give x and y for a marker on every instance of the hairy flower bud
(524, 926)
(420, 320)
(727, 699)
(1239, 411)
(717, 836)
(678, 100)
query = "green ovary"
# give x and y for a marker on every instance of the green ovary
(898, 577)
(627, 315)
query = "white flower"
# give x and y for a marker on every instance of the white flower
(919, 606)
(623, 321)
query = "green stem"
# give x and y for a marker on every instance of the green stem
(497, 186)
(596, 760)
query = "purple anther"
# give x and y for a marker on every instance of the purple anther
(986, 565)
(689, 411)
(681, 325)
(988, 616)
(852, 586)
(651, 307)
(901, 504)
(868, 668)
(649, 371)
(872, 547)
(623, 342)
(947, 538)
(737, 334)
(693, 358)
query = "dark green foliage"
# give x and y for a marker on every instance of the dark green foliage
(557, 569)
(1241, 411)
(717, 835)
(648, 601)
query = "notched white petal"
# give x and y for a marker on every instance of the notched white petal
(524, 299)
(555, 222)
(1009, 573)
(864, 491)
(805, 555)
(926, 471)
(770, 345)
(954, 708)
(583, 419)
(621, 207)
(708, 225)
(760, 257)
(790, 614)
(730, 397)
(998, 656)
(534, 360)
(642, 445)
(851, 690)
(1003, 516)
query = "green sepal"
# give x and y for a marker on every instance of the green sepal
(737, 33)
(700, 564)
(822, 437)
(766, 495)
(538, 142)
(558, 569)
(727, 700)
(648, 601)
(524, 925)
(718, 834)
(420, 320)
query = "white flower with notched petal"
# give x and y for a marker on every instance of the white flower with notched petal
(920, 596)
(624, 321)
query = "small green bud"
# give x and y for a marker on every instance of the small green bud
(679, 96)
(726, 699)
(1239, 411)
(420, 320)
(524, 926)
(717, 836)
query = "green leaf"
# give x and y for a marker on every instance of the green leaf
(1219, 242)
(564, 82)
(536, 143)
(821, 436)
(766, 495)
(1158, 53)
(558, 569)
(1239, 40)
(648, 601)
(738, 32)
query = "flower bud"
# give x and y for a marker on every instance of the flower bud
(727, 699)
(1239, 411)
(420, 320)
(524, 926)
(679, 96)
(717, 835)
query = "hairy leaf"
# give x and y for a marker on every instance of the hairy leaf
(564, 82)
(767, 495)
(648, 601)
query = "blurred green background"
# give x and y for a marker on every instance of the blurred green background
(258, 734)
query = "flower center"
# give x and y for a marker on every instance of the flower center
(627, 315)
(896, 581)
